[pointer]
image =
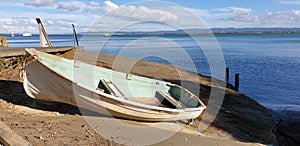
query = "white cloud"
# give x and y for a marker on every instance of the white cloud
(19, 25)
(57, 22)
(54, 23)
(18, 21)
(296, 12)
(244, 16)
(39, 3)
(290, 2)
(14, 21)
(94, 8)
(109, 6)
(295, 17)
(274, 17)
(236, 14)
(129, 12)
(200, 12)
(283, 19)
(68, 6)
(234, 9)
(142, 13)
(83, 14)
(94, 4)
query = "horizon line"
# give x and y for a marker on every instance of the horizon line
(286, 29)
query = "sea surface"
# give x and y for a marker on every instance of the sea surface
(268, 64)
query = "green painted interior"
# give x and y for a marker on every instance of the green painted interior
(184, 96)
(134, 86)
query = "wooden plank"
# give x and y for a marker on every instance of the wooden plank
(10, 138)
(168, 97)
(3, 42)
(107, 87)
(115, 89)
(10, 52)
(112, 88)
(44, 39)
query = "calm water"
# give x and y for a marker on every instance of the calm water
(269, 64)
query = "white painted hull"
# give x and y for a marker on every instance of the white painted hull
(43, 83)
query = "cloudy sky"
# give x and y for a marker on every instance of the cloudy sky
(18, 16)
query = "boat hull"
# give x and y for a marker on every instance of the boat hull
(43, 83)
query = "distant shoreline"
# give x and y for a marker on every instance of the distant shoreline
(189, 31)
(153, 34)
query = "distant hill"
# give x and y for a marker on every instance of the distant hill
(205, 31)
(194, 31)
(256, 30)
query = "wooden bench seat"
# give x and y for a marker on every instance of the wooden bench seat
(170, 99)
(110, 88)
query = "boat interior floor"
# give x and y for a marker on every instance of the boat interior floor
(160, 99)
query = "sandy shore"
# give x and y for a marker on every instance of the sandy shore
(43, 127)
(240, 121)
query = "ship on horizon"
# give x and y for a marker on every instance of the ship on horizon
(27, 34)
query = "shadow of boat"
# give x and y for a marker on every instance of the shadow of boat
(13, 92)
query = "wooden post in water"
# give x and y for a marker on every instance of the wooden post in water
(237, 82)
(227, 75)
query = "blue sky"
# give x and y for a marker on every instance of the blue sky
(18, 16)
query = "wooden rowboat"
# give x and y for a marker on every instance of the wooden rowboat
(58, 79)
